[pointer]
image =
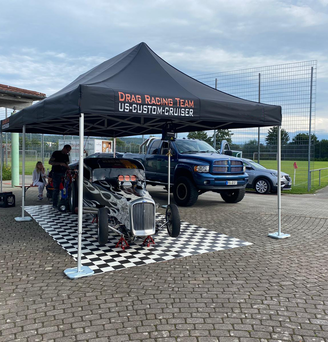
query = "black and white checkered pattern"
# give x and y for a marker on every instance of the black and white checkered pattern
(63, 228)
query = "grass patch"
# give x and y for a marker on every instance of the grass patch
(30, 166)
(301, 179)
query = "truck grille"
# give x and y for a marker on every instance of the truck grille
(143, 215)
(225, 166)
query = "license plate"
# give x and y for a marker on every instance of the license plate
(231, 182)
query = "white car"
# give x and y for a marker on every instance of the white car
(265, 180)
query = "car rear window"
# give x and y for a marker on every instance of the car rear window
(114, 163)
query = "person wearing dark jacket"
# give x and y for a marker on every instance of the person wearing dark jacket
(59, 161)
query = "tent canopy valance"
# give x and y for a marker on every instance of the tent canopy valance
(137, 92)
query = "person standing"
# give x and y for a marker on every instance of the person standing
(39, 178)
(59, 161)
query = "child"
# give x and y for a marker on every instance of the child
(39, 178)
(50, 186)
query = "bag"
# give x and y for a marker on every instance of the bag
(7, 199)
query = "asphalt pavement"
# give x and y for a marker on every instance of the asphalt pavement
(272, 290)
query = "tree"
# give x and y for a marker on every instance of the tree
(35, 142)
(303, 139)
(201, 135)
(27, 143)
(222, 134)
(120, 144)
(251, 144)
(272, 137)
(321, 150)
(249, 148)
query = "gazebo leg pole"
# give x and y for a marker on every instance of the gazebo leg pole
(279, 234)
(169, 176)
(1, 161)
(23, 218)
(80, 271)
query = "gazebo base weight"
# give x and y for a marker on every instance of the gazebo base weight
(73, 273)
(23, 219)
(276, 235)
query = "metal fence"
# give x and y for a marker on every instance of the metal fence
(35, 152)
(293, 87)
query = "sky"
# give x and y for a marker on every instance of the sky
(44, 45)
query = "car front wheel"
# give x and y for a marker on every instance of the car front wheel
(172, 217)
(262, 186)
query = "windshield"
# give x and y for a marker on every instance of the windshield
(193, 146)
(255, 165)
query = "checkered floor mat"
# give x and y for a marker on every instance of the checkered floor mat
(62, 227)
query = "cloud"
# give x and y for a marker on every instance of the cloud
(46, 45)
(46, 72)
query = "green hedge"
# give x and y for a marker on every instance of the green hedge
(6, 173)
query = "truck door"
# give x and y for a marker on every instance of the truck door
(162, 158)
(151, 161)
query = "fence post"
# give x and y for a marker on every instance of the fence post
(6, 137)
(259, 129)
(1, 161)
(42, 148)
(214, 133)
(310, 119)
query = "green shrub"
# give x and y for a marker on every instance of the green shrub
(6, 173)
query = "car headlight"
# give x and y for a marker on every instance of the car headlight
(202, 168)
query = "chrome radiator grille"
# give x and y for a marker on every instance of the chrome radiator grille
(225, 166)
(143, 216)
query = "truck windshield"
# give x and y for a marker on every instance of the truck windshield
(193, 146)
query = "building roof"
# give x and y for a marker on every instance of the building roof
(14, 91)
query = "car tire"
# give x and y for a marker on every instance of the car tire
(262, 186)
(73, 200)
(62, 205)
(233, 196)
(102, 226)
(185, 192)
(172, 218)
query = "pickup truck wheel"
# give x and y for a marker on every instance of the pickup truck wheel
(185, 193)
(73, 200)
(172, 218)
(102, 226)
(233, 196)
(262, 186)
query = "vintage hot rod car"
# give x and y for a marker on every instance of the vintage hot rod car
(114, 190)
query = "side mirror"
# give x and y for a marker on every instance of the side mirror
(228, 153)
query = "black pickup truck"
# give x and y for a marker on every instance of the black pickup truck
(196, 168)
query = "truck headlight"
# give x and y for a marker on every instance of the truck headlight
(202, 168)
